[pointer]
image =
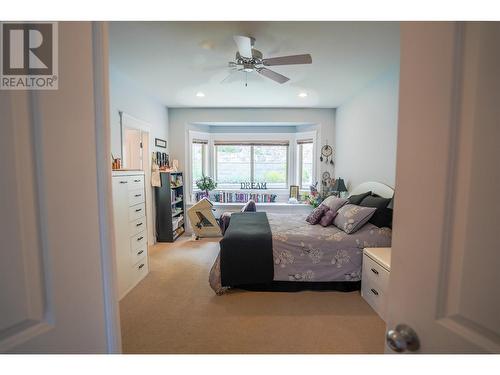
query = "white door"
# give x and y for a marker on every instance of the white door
(445, 275)
(132, 148)
(56, 280)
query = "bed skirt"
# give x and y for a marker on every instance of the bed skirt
(294, 286)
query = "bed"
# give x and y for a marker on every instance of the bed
(306, 256)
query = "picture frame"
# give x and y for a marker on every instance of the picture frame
(162, 143)
(294, 191)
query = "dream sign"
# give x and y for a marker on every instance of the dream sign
(253, 186)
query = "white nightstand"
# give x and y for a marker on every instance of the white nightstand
(375, 278)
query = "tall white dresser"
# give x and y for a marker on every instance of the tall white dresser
(130, 229)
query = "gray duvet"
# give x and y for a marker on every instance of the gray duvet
(305, 252)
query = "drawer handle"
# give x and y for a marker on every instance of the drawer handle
(137, 195)
(140, 252)
(138, 224)
(142, 265)
(374, 271)
(140, 209)
(137, 180)
(140, 238)
(374, 291)
(123, 182)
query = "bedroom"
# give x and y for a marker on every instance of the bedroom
(256, 138)
(359, 154)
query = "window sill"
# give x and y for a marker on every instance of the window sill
(261, 204)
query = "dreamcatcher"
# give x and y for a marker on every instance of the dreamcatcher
(326, 154)
(326, 179)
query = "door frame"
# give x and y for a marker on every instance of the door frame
(100, 50)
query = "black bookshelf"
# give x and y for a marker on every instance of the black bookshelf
(170, 209)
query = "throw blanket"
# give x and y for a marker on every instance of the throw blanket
(246, 255)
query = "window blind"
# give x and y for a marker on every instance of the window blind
(304, 141)
(251, 143)
(200, 141)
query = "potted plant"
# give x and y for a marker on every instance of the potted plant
(207, 184)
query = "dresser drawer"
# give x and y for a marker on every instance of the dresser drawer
(138, 240)
(375, 273)
(137, 211)
(139, 270)
(374, 285)
(137, 226)
(135, 197)
(138, 254)
(376, 298)
(135, 182)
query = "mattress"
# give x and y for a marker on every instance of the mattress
(312, 253)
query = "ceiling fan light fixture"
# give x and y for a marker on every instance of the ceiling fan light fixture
(249, 59)
(200, 94)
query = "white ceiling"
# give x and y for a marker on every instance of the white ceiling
(172, 61)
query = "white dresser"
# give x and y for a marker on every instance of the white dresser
(375, 278)
(130, 229)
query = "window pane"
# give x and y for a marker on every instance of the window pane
(197, 159)
(233, 165)
(307, 165)
(270, 166)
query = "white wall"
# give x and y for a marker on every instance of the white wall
(126, 97)
(182, 118)
(366, 133)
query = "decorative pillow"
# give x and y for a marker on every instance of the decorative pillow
(374, 201)
(334, 203)
(382, 218)
(249, 206)
(328, 217)
(316, 214)
(383, 215)
(350, 217)
(356, 199)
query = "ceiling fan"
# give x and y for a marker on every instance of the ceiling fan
(248, 60)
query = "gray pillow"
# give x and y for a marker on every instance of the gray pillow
(350, 217)
(334, 203)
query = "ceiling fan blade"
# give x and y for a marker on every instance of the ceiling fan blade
(288, 60)
(273, 75)
(244, 44)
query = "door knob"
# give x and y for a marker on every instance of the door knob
(402, 338)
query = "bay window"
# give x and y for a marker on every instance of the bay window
(239, 162)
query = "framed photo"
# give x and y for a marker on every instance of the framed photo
(160, 143)
(294, 191)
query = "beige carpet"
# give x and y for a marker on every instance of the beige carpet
(173, 310)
